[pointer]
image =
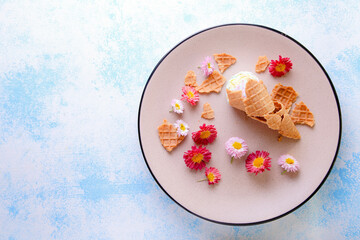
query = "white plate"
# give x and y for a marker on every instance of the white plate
(240, 198)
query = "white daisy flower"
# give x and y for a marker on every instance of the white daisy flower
(177, 106)
(182, 127)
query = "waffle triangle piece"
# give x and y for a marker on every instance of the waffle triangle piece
(262, 63)
(213, 83)
(208, 112)
(190, 79)
(286, 95)
(224, 61)
(258, 101)
(168, 136)
(288, 129)
(301, 115)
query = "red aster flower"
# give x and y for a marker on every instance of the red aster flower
(279, 67)
(213, 175)
(190, 94)
(257, 162)
(205, 135)
(196, 158)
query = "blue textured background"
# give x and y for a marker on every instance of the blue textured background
(71, 78)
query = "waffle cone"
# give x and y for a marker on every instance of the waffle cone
(224, 61)
(286, 95)
(262, 63)
(190, 79)
(168, 135)
(213, 83)
(301, 114)
(236, 99)
(258, 101)
(208, 112)
(288, 129)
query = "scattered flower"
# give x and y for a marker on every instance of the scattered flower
(236, 148)
(177, 106)
(205, 135)
(190, 95)
(257, 162)
(197, 157)
(206, 66)
(212, 175)
(279, 67)
(288, 163)
(182, 127)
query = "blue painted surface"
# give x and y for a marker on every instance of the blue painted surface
(71, 78)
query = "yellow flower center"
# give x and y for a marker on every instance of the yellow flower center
(197, 158)
(205, 134)
(190, 94)
(211, 177)
(177, 106)
(289, 161)
(209, 65)
(182, 127)
(237, 145)
(280, 67)
(258, 162)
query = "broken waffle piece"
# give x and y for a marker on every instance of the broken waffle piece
(262, 63)
(288, 129)
(208, 112)
(284, 94)
(224, 61)
(168, 135)
(213, 83)
(301, 114)
(190, 79)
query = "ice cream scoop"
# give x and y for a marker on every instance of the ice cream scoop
(239, 80)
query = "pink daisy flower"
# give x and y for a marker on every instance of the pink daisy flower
(197, 157)
(205, 135)
(257, 162)
(280, 67)
(236, 148)
(288, 163)
(206, 66)
(190, 95)
(212, 175)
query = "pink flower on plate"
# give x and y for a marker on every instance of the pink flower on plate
(190, 95)
(288, 163)
(212, 174)
(197, 157)
(236, 148)
(205, 135)
(280, 67)
(257, 162)
(206, 66)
